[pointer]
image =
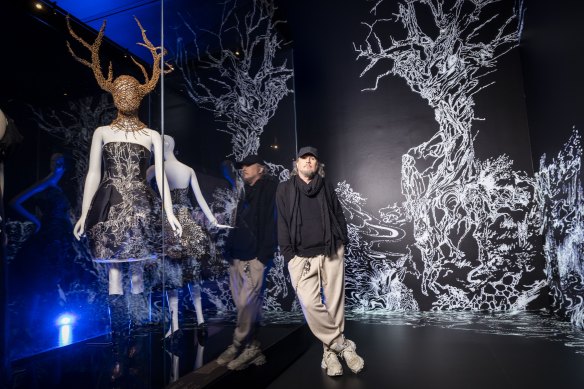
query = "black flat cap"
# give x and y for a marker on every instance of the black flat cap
(307, 150)
(250, 160)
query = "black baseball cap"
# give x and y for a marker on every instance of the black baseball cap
(250, 160)
(307, 150)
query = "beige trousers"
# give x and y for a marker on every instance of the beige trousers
(325, 315)
(245, 281)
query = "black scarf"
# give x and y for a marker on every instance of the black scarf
(313, 189)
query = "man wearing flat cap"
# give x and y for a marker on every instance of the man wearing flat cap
(249, 248)
(312, 233)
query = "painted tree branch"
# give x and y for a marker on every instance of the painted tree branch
(242, 83)
(451, 196)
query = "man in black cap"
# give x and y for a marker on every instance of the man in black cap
(249, 248)
(312, 233)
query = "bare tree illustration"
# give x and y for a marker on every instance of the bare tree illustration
(238, 77)
(561, 205)
(451, 196)
(74, 126)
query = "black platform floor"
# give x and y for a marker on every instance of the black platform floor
(401, 350)
(140, 361)
(429, 356)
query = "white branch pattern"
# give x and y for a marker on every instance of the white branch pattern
(561, 206)
(454, 200)
(241, 83)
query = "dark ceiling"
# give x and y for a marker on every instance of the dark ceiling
(41, 69)
(38, 67)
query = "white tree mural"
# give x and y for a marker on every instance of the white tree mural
(454, 200)
(239, 76)
(561, 205)
(74, 126)
(374, 271)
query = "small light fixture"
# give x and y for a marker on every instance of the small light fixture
(274, 145)
(38, 5)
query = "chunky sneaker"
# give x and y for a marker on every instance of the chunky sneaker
(228, 355)
(331, 363)
(251, 355)
(348, 351)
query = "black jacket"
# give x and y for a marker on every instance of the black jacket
(254, 235)
(285, 199)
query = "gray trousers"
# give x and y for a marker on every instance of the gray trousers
(245, 281)
(325, 315)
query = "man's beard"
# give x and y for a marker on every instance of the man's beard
(310, 174)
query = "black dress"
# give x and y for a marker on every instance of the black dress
(192, 242)
(122, 221)
(182, 255)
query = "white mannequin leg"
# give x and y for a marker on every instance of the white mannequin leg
(137, 271)
(195, 293)
(172, 296)
(139, 305)
(115, 279)
(199, 357)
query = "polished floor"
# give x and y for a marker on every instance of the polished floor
(404, 356)
(141, 359)
(401, 350)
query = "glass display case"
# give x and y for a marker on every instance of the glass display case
(80, 158)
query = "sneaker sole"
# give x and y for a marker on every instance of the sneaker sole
(358, 369)
(223, 362)
(324, 366)
(258, 361)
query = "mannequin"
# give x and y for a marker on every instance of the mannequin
(119, 210)
(50, 181)
(182, 254)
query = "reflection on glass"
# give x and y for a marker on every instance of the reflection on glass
(65, 335)
(44, 276)
(231, 88)
(182, 262)
(104, 276)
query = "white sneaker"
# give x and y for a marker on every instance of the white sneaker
(331, 363)
(251, 355)
(348, 351)
(228, 355)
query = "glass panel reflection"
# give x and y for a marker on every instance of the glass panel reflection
(167, 307)
(229, 107)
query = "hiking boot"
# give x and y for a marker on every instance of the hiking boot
(251, 355)
(228, 355)
(348, 351)
(331, 363)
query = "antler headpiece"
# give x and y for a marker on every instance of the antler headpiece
(126, 90)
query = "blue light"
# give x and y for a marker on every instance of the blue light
(65, 335)
(65, 319)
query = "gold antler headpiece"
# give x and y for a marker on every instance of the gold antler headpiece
(107, 83)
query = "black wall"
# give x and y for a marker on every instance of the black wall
(362, 135)
(552, 52)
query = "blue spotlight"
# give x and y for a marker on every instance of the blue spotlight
(65, 323)
(65, 319)
(65, 335)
